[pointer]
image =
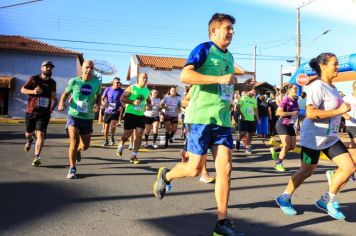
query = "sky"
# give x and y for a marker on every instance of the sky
(112, 30)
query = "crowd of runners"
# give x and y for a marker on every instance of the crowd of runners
(213, 113)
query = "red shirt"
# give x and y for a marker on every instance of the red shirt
(41, 103)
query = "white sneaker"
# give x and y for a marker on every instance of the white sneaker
(130, 147)
(155, 146)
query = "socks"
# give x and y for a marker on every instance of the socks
(328, 197)
(164, 178)
(155, 138)
(279, 161)
(286, 196)
(222, 222)
(146, 137)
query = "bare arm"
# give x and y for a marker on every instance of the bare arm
(35, 91)
(282, 113)
(125, 97)
(257, 114)
(315, 113)
(62, 100)
(55, 100)
(190, 76)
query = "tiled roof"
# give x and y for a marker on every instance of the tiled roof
(169, 63)
(161, 63)
(20, 43)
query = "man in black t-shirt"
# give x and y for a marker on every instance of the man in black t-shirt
(41, 90)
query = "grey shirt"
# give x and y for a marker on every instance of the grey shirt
(321, 133)
(172, 105)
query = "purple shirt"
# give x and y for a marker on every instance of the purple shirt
(289, 105)
(112, 97)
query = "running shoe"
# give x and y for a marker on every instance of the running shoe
(159, 186)
(72, 173)
(36, 161)
(207, 179)
(329, 208)
(226, 228)
(329, 175)
(248, 150)
(134, 160)
(28, 144)
(279, 167)
(119, 150)
(171, 140)
(105, 143)
(208, 151)
(237, 144)
(155, 146)
(112, 141)
(145, 144)
(79, 156)
(352, 178)
(273, 153)
(286, 206)
(130, 146)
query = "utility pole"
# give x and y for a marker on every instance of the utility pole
(281, 77)
(297, 55)
(254, 61)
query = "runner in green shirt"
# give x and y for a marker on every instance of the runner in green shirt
(136, 97)
(210, 71)
(85, 92)
(249, 116)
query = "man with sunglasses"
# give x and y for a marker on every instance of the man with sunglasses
(110, 100)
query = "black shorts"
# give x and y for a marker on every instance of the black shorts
(132, 121)
(173, 120)
(108, 117)
(37, 122)
(248, 126)
(151, 120)
(351, 130)
(311, 156)
(284, 129)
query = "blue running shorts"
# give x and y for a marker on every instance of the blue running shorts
(201, 137)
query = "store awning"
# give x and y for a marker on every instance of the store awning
(7, 82)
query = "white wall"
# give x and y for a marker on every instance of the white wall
(23, 65)
(164, 77)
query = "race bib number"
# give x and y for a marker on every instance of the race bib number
(112, 105)
(226, 92)
(138, 107)
(250, 111)
(82, 106)
(43, 102)
(172, 109)
(334, 125)
(155, 108)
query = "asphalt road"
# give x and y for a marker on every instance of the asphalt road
(113, 197)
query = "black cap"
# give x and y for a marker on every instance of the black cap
(47, 63)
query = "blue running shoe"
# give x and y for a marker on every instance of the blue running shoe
(286, 206)
(226, 228)
(336, 204)
(329, 208)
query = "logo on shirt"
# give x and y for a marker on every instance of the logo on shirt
(140, 97)
(86, 89)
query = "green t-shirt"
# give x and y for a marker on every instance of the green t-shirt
(83, 97)
(141, 94)
(210, 104)
(247, 107)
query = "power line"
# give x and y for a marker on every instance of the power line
(19, 4)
